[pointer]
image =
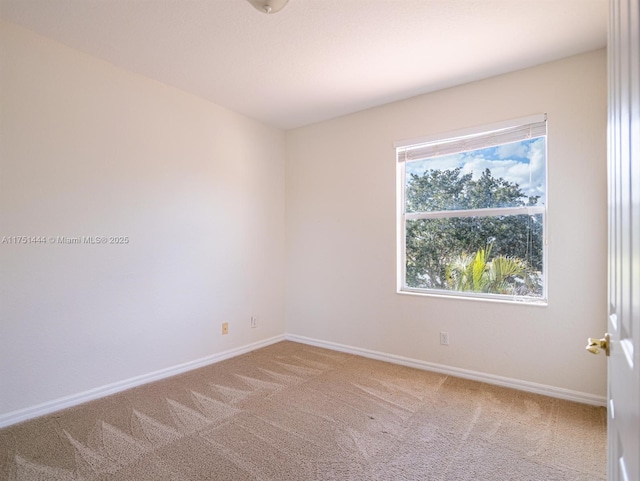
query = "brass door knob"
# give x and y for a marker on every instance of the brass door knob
(594, 345)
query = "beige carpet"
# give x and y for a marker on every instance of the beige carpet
(295, 412)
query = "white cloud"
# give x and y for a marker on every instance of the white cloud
(514, 149)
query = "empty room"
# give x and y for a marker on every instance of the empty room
(319, 240)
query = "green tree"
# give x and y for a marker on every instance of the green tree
(500, 275)
(433, 244)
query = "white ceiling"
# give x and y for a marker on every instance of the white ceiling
(317, 59)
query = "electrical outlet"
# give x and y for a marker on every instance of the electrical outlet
(254, 321)
(444, 338)
(225, 328)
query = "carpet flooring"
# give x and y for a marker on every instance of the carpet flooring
(295, 412)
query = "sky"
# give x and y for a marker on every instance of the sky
(520, 162)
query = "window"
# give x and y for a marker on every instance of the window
(472, 212)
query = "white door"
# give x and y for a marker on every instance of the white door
(624, 241)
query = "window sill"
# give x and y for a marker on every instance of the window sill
(467, 297)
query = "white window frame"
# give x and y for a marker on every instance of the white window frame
(465, 137)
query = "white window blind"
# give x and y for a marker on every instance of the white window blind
(465, 141)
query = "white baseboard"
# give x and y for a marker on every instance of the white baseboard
(532, 387)
(75, 399)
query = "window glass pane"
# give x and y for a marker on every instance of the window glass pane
(508, 175)
(492, 254)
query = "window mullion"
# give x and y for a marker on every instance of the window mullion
(443, 214)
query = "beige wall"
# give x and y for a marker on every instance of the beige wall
(88, 149)
(341, 232)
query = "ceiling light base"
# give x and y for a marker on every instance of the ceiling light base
(268, 6)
